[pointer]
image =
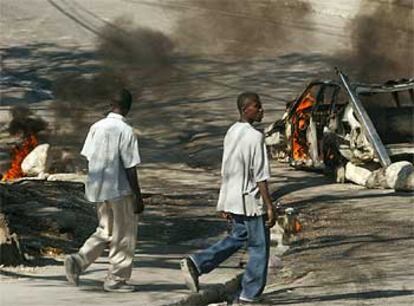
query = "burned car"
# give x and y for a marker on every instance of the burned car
(359, 132)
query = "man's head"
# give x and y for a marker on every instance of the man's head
(121, 102)
(250, 107)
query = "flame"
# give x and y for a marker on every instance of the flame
(300, 121)
(298, 226)
(18, 154)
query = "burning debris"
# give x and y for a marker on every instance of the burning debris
(286, 227)
(350, 130)
(25, 128)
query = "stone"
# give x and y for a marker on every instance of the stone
(377, 179)
(407, 184)
(398, 174)
(35, 162)
(67, 177)
(357, 174)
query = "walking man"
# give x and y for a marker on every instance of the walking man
(111, 149)
(244, 199)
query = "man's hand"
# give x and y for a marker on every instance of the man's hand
(264, 192)
(225, 215)
(139, 205)
(271, 219)
(132, 177)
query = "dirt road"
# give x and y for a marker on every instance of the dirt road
(58, 56)
(356, 247)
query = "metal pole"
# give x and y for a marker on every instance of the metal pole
(366, 123)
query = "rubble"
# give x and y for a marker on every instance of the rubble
(354, 131)
(397, 175)
(36, 161)
(357, 175)
(10, 251)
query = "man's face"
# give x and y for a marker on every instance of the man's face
(253, 111)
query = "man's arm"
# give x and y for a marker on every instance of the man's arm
(264, 192)
(132, 177)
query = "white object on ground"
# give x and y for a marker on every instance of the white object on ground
(67, 177)
(35, 162)
(356, 174)
(399, 174)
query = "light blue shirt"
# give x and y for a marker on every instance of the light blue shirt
(110, 147)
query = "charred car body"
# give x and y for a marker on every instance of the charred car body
(359, 132)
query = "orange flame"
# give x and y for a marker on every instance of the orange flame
(300, 123)
(18, 154)
(298, 226)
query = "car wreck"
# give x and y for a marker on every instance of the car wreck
(363, 133)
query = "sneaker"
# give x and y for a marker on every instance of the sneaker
(190, 274)
(119, 286)
(72, 270)
(247, 301)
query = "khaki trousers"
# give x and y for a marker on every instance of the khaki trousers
(118, 228)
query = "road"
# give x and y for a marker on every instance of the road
(58, 57)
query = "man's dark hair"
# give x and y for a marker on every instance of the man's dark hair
(122, 98)
(244, 98)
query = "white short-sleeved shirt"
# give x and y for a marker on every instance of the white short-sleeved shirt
(245, 163)
(110, 147)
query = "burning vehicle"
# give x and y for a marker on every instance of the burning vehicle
(362, 133)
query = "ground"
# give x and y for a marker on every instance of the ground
(355, 249)
(58, 57)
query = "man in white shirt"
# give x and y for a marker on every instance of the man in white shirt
(244, 198)
(111, 149)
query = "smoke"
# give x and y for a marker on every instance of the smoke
(383, 41)
(128, 57)
(123, 44)
(127, 54)
(239, 27)
(23, 121)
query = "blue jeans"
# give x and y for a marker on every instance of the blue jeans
(245, 229)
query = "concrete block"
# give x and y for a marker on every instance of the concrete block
(399, 174)
(357, 174)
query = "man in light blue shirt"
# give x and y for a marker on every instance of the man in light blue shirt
(111, 149)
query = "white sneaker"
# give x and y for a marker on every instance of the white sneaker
(119, 286)
(190, 274)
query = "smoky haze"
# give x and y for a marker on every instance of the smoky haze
(238, 27)
(24, 121)
(126, 53)
(382, 41)
(187, 80)
(381, 35)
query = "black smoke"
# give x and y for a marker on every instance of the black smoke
(24, 122)
(382, 41)
(127, 55)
